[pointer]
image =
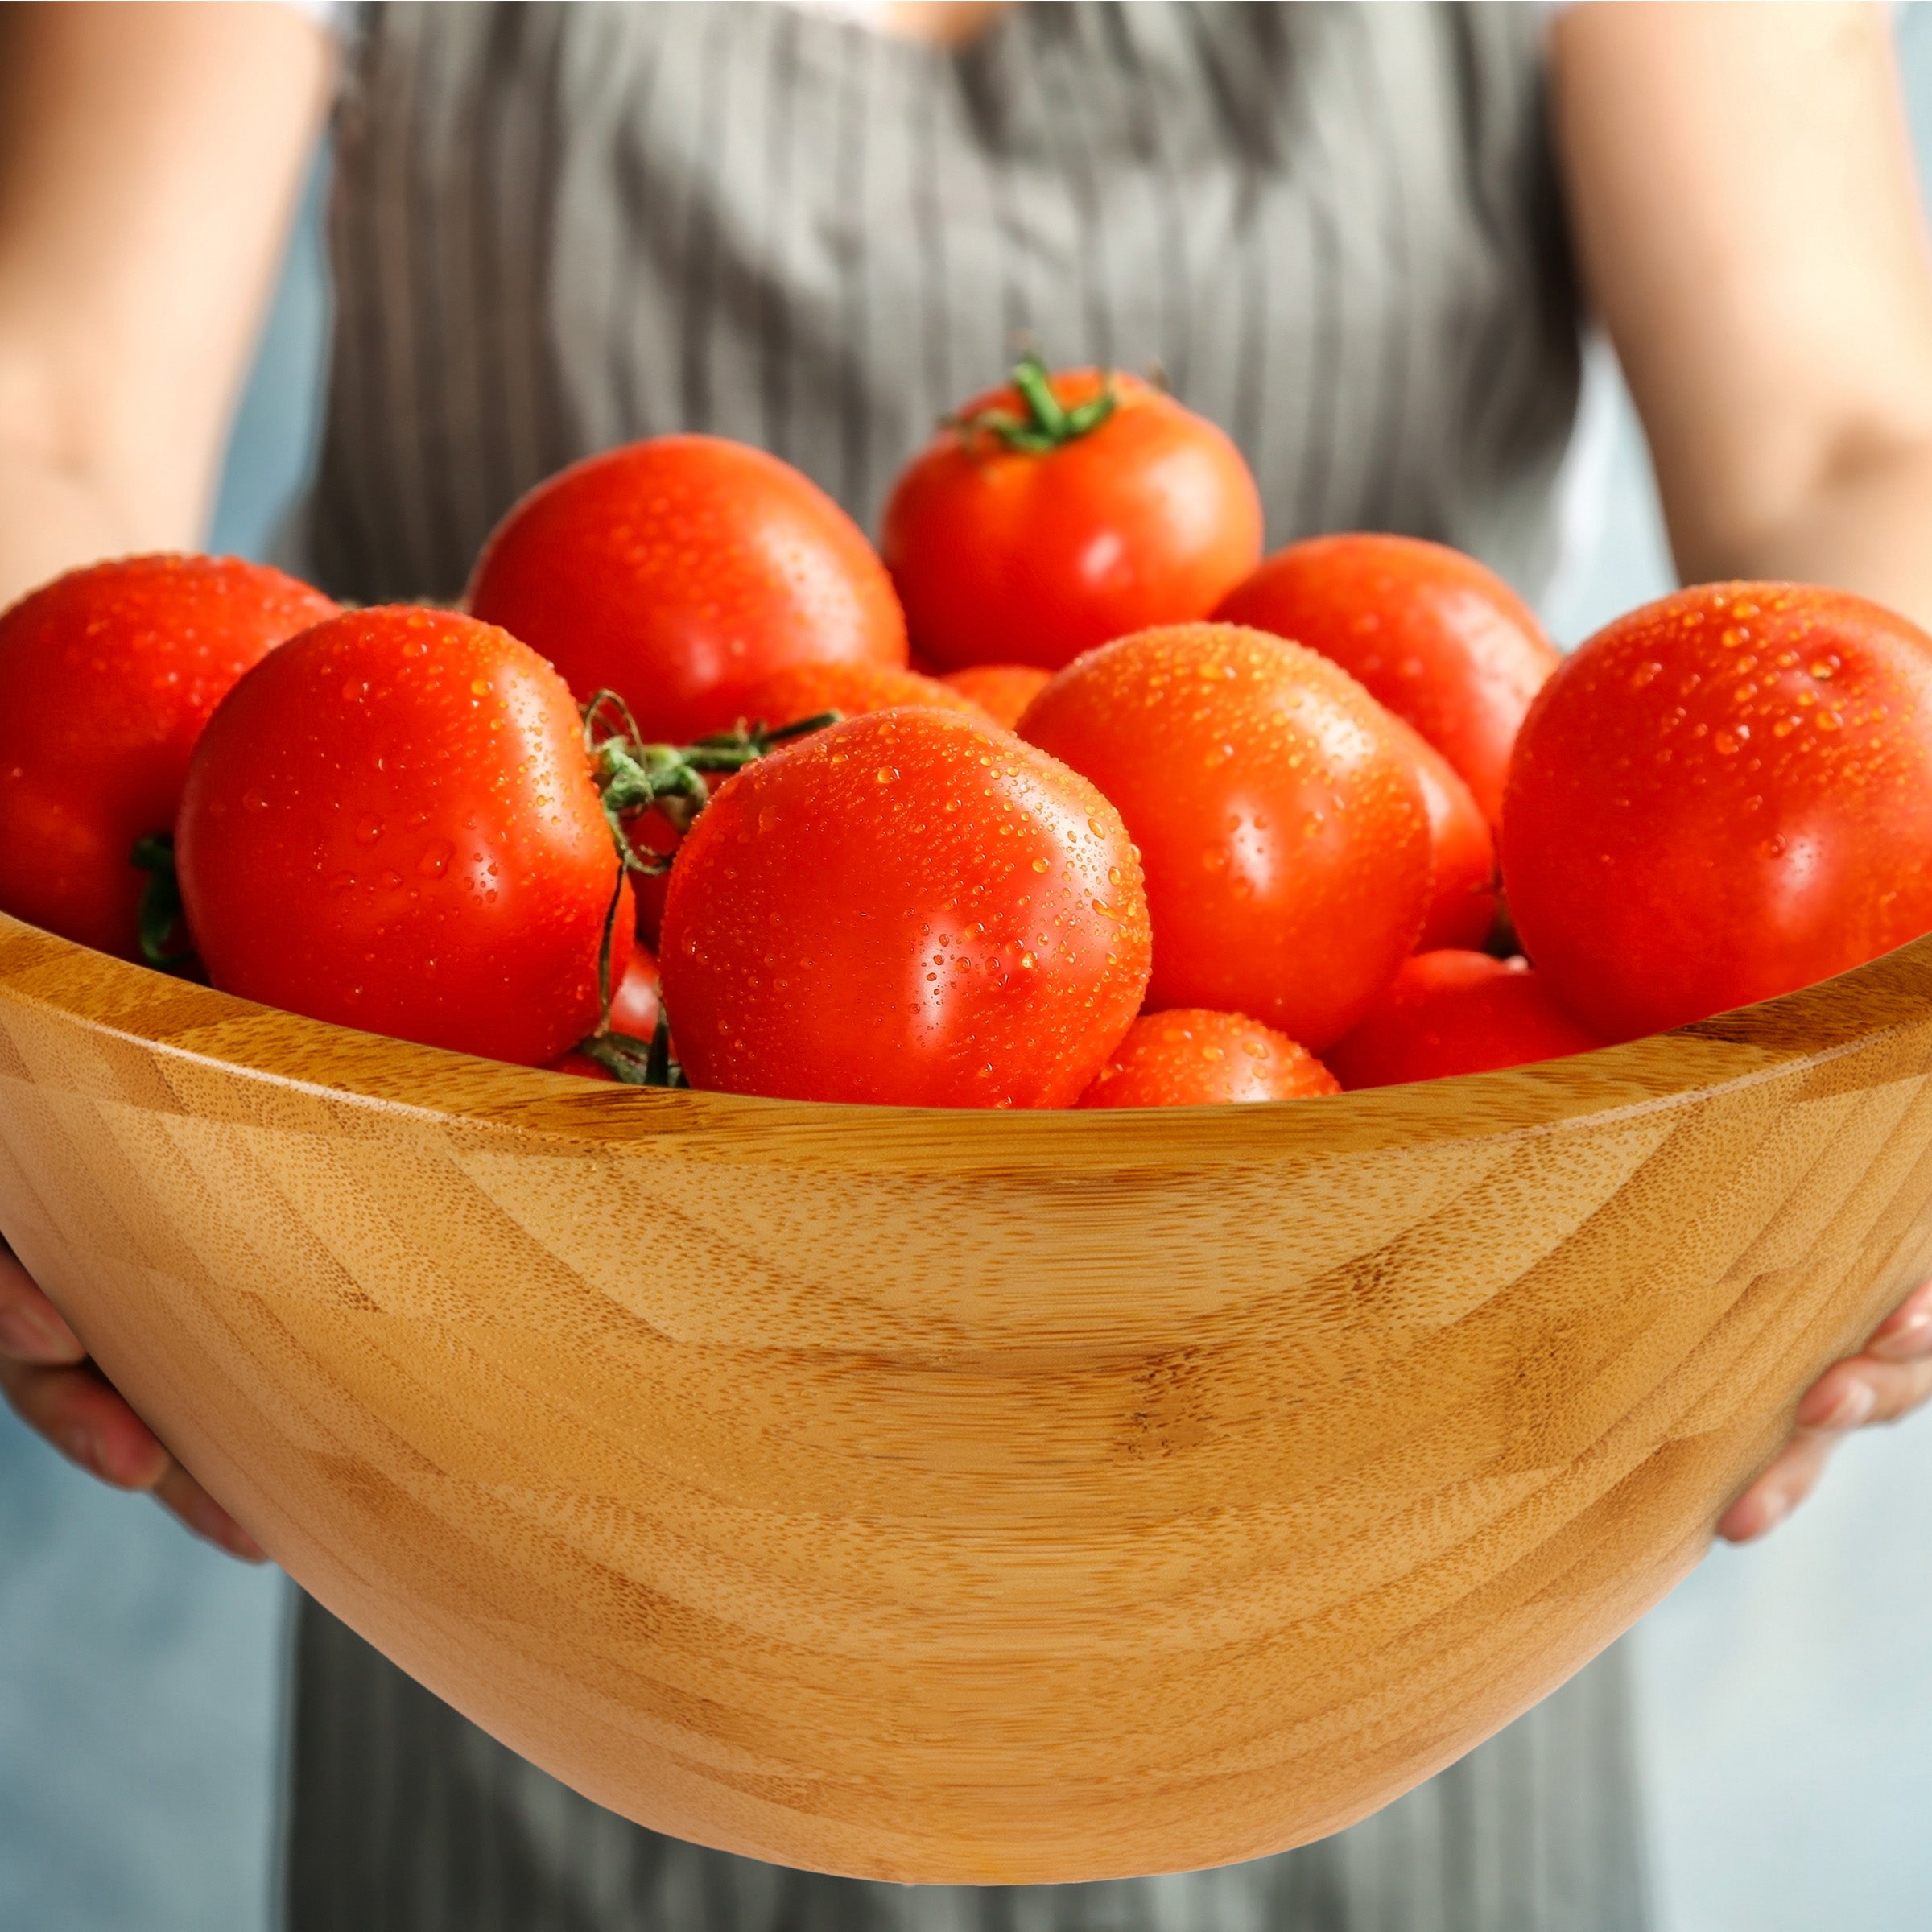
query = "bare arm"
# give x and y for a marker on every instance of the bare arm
(1747, 222)
(1741, 189)
(149, 160)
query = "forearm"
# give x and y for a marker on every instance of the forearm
(52, 519)
(150, 161)
(1740, 187)
(1863, 529)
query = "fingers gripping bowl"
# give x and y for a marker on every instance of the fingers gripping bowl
(963, 1496)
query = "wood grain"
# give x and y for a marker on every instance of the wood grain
(953, 1496)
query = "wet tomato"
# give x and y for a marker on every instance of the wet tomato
(634, 1007)
(1188, 1058)
(581, 1066)
(1437, 637)
(1721, 797)
(804, 691)
(1463, 899)
(1003, 691)
(1280, 820)
(391, 823)
(796, 692)
(1453, 1012)
(1046, 520)
(107, 677)
(676, 570)
(911, 908)
(654, 833)
(634, 1001)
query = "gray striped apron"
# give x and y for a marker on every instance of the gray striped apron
(1336, 230)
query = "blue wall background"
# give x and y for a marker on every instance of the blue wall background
(1786, 1689)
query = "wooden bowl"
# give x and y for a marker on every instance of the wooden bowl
(967, 1497)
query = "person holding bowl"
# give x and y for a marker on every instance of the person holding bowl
(1360, 238)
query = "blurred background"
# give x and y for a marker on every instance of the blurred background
(1786, 1702)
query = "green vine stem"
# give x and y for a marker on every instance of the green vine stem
(637, 1062)
(1048, 424)
(633, 777)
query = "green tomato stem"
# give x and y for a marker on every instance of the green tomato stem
(1048, 424)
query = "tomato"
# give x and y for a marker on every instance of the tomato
(796, 692)
(1463, 899)
(912, 908)
(634, 1007)
(1032, 554)
(1721, 797)
(653, 832)
(1452, 1012)
(1442, 641)
(581, 1065)
(1280, 820)
(1188, 1058)
(107, 676)
(634, 1003)
(804, 691)
(676, 570)
(391, 822)
(1003, 691)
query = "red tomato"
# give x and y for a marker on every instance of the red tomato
(1442, 641)
(799, 691)
(581, 1065)
(634, 1004)
(1033, 556)
(634, 1007)
(1189, 1058)
(1003, 691)
(391, 823)
(652, 831)
(1721, 797)
(1280, 820)
(910, 908)
(803, 691)
(1462, 906)
(674, 570)
(107, 676)
(1453, 1012)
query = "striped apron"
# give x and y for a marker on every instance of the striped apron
(1336, 229)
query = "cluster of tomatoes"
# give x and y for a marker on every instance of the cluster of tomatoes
(1064, 797)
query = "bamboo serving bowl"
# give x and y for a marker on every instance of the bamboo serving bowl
(957, 1496)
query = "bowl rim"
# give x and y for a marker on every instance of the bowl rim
(203, 1030)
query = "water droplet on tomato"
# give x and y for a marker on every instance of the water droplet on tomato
(368, 829)
(435, 858)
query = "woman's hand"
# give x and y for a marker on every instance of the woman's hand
(1890, 1378)
(46, 1376)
